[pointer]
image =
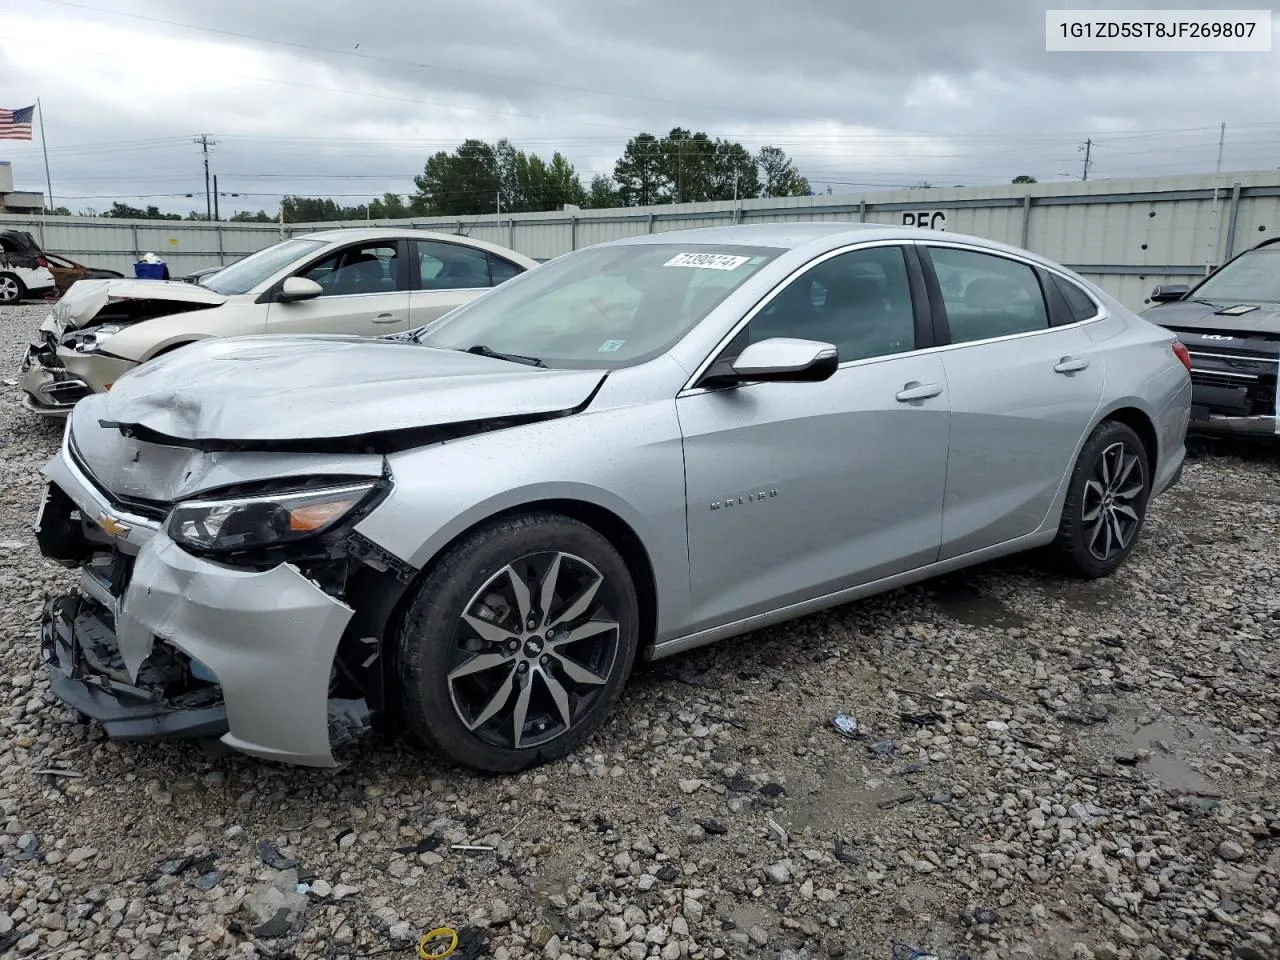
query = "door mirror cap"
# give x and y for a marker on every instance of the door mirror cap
(299, 288)
(1168, 292)
(783, 359)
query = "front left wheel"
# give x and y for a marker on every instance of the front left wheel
(517, 645)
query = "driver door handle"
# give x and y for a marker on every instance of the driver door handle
(385, 318)
(1070, 365)
(915, 390)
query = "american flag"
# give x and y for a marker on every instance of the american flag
(16, 124)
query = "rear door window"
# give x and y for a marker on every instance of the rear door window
(987, 296)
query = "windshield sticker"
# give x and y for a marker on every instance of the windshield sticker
(611, 346)
(707, 261)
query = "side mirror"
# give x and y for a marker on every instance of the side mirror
(783, 359)
(1168, 292)
(299, 288)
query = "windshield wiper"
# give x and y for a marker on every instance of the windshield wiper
(485, 351)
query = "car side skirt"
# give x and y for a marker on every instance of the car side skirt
(667, 648)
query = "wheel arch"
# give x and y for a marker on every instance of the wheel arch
(1141, 423)
(620, 534)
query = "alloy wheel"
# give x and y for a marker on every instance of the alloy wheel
(8, 290)
(533, 650)
(1112, 501)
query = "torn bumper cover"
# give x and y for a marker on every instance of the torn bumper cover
(156, 643)
(55, 378)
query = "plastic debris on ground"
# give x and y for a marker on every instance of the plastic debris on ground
(846, 726)
(272, 857)
(903, 952)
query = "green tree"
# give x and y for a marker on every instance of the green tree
(689, 162)
(123, 211)
(734, 173)
(601, 195)
(1023, 178)
(563, 183)
(780, 176)
(641, 173)
(390, 207)
(244, 216)
(465, 182)
(58, 212)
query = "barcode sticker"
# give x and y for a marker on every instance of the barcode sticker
(707, 261)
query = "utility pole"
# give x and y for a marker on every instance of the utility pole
(205, 143)
(1088, 151)
(215, 196)
(1222, 136)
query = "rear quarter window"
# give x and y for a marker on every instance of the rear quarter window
(1080, 303)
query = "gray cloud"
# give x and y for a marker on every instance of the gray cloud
(841, 86)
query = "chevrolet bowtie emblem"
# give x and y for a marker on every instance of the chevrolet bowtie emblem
(113, 527)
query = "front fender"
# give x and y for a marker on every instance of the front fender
(626, 460)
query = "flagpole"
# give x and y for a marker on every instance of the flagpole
(44, 147)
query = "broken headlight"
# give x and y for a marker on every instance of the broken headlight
(250, 523)
(92, 339)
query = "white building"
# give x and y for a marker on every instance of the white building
(17, 201)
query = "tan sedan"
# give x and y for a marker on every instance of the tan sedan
(368, 282)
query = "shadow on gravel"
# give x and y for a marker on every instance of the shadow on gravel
(1262, 452)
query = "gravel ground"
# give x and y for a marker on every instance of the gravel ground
(1050, 770)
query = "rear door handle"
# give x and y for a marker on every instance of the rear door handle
(915, 390)
(385, 318)
(1070, 365)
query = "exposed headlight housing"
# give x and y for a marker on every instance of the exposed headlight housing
(92, 339)
(236, 525)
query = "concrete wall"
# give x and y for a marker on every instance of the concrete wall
(1126, 235)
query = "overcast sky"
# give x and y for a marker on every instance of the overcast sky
(318, 97)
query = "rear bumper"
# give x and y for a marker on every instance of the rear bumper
(1222, 425)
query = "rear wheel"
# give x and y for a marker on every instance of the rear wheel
(517, 646)
(1106, 502)
(12, 289)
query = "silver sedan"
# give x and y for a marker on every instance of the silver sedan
(478, 527)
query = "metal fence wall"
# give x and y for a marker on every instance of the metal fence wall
(117, 244)
(1126, 235)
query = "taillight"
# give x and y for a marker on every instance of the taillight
(1184, 356)
(42, 262)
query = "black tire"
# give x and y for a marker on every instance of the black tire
(1093, 544)
(12, 289)
(434, 644)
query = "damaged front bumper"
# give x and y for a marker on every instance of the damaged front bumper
(54, 378)
(157, 643)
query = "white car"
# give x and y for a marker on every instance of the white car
(24, 272)
(369, 282)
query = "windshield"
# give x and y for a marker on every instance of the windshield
(1252, 277)
(603, 307)
(243, 275)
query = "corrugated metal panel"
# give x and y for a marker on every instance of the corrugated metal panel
(1119, 228)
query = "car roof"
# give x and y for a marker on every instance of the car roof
(817, 236)
(358, 234)
(380, 233)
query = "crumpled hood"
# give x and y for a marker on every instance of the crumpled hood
(86, 298)
(278, 392)
(1188, 315)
